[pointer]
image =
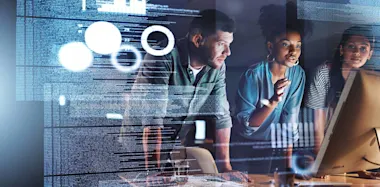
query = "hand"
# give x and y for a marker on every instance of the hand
(303, 176)
(279, 88)
(308, 177)
(233, 175)
(325, 177)
(368, 175)
(158, 179)
(375, 174)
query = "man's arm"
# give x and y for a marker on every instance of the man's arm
(218, 99)
(152, 134)
(222, 140)
(149, 96)
(223, 130)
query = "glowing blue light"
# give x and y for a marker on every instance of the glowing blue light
(126, 69)
(103, 37)
(62, 100)
(114, 116)
(298, 169)
(75, 56)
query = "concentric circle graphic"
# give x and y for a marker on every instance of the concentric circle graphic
(126, 69)
(157, 52)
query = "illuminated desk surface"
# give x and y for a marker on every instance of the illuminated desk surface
(264, 180)
(267, 181)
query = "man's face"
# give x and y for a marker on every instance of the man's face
(216, 48)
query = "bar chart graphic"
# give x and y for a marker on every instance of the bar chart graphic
(137, 7)
(121, 6)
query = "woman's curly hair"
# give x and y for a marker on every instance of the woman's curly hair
(274, 20)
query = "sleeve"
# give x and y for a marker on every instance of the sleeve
(316, 92)
(221, 105)
(147, 102)
(247, 98)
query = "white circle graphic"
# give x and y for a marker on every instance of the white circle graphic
(75, 56)
(127, 48)
(103, 37)
(157, 28)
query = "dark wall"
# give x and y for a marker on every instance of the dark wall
(21, 123)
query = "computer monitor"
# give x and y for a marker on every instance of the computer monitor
(352, 139)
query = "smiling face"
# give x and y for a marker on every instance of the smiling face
(356, 51)
(286, 49)
(216, 48)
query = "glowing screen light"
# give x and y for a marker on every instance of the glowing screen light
(103, 37)
(75, 56)
(62, 100)
(155, 52)
(200, 132)
(114, 116)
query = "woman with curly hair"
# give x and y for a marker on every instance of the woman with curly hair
(270, 93)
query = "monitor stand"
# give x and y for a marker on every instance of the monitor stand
(377, 131)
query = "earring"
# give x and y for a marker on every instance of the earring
(298, 61)
(273, 59)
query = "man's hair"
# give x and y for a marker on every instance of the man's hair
(210, 21)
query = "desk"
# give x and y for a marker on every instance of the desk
(263, 180)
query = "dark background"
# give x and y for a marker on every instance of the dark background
(21, 123)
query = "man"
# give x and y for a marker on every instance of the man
(173, 90)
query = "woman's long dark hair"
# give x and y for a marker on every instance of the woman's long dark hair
(336, 78)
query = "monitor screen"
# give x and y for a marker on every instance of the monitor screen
(350, 143)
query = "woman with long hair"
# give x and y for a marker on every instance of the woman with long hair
(353, 52)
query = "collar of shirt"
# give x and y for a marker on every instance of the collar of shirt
(193, 71)
(184, 54)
